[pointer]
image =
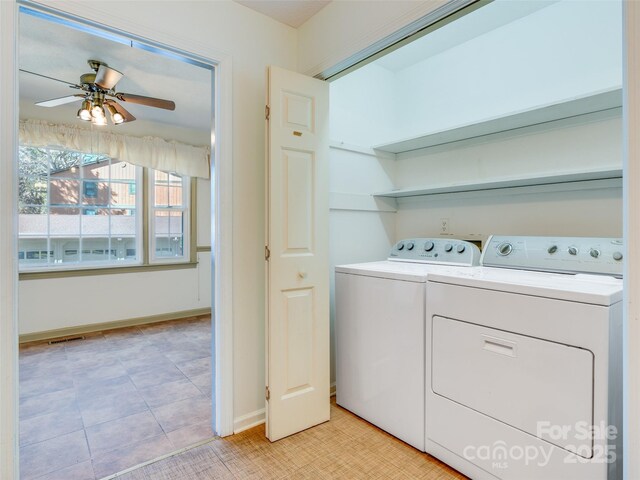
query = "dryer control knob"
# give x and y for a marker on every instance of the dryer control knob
(617, 256)
(594, 252)
(448, 247)
(552, 249)
(428, 246)
(505, 249)
(572, 250)
(400, 246)
(460, 248)
(410, 246)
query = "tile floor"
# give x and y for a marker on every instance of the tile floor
(344, 448)
(94, 407)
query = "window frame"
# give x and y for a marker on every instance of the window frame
(187, 218)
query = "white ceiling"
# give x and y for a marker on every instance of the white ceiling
(59, 51)
(290, 12)
(479, 22)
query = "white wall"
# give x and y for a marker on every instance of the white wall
(363, 107)
(508, 69)
(594, 144)
(566, 50)
(254, 41)
(557, 147)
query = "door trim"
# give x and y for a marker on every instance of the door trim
(8, 243)
(631, 222)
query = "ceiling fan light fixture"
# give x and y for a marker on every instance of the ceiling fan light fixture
(97, 111)
(85, 111)
(116, 117)
(99, 120)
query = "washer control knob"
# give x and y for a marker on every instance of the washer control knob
(617, 256)
(410, 246)
(572, 250)
(428, 246)
(505, 249)
(594, 252)
(460, 248)
(400, 246)
(448, 247)
(552, 249)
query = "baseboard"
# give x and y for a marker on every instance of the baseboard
(98, 327)
(332, 389)
(250, 420)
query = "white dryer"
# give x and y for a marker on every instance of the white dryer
(526, 371)
(380, 315)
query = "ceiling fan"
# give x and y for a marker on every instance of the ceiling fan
(99, 96)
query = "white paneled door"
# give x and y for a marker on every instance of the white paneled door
(297, 252)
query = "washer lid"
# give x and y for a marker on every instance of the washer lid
(593, 289)
(411, 272)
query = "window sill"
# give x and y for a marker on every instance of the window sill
(90, 272)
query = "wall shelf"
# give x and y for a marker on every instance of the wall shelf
(575, 107)
(561, 178)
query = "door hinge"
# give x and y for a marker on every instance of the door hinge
(267, 112)
(267, 393)
(267, 253)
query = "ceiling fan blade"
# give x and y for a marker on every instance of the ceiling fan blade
(107, 77)
(50, 78)
(148, 101)
(54, 102)
(128, 117)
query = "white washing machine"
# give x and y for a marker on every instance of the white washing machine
(526, 371)
(380, 315)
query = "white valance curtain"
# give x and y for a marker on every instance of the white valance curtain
(152, 152)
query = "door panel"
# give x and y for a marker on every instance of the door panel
(297, 324)
(299, 171)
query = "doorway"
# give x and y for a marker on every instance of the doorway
(91, 255)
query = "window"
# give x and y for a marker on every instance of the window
(169, 223)
(80, 210)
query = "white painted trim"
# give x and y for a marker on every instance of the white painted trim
(250, 420)
(222, 253)
(332, 390)
(338, 145)
(631, 199)
(361, 202)
(9, 464)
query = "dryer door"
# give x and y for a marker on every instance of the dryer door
(534, 385)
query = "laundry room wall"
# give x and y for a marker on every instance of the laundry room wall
(511, 68)
(592, 208)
